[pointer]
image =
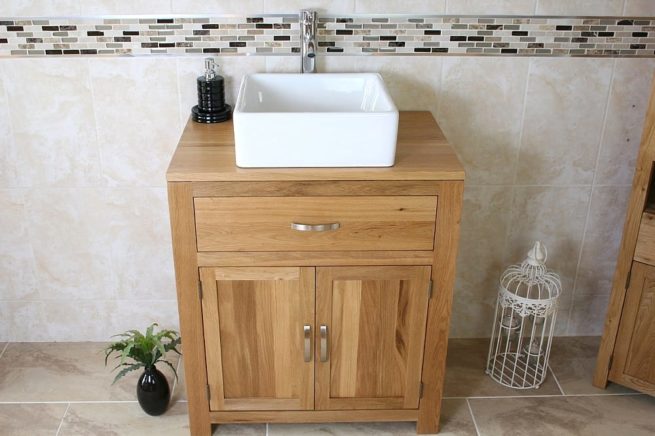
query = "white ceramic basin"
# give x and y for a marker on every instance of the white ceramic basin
(314, 120)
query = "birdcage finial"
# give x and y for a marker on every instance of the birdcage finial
(537, 254)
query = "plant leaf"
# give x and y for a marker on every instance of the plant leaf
(171, 366)
(124, 371)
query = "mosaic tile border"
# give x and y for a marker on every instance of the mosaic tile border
(337, 35)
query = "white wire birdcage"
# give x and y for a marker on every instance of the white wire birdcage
(523, 327)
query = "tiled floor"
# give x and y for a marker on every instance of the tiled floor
(64, 389)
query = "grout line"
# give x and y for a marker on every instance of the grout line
(3, 350)
(500, 397)
(267, 429)
(556, 381)
(508, 218)
(62, 419)
(91, 402)
(601, 139)
(475, 423)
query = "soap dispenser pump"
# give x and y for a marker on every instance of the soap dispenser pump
(211, 106)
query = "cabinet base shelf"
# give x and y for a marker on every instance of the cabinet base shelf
(312, 416)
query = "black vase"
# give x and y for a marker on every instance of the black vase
(153, 392)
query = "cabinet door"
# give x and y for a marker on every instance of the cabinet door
(370, 336)
(634, 360)
(258, 326)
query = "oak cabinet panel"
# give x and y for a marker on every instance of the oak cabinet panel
(370, 357)
(634, 359)
(254, 324)
(364, 223)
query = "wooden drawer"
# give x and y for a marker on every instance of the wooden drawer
(645, 250)
(365, 223)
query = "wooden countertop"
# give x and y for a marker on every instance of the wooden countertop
(205, 153)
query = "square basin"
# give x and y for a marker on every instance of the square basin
(314, 120)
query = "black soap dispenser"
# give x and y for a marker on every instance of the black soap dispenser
(211, 106)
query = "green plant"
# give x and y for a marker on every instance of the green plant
(144, 350)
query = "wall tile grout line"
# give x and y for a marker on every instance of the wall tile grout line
(559, 386)
(475, 423)
(61, 423)
(505, 253)
(601, 139)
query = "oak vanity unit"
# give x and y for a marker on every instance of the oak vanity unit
(315, 295)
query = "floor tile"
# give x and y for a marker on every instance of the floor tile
(32, 419)
(455, 420)
(465, 376)
(125, 419)
(580, 416)
(63, 372)
(573, 360)
(2, 348)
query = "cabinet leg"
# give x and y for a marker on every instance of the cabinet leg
(198, 428)
(427, 424)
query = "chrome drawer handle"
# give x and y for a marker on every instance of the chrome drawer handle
(307, 329)
(324, 343)
(315, 227)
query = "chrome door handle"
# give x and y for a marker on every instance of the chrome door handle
(324, 343)
(307, 329)
(315, 227)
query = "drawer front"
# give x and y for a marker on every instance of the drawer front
(321, 223)
(645, 250)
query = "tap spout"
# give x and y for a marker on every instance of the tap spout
(308, 20)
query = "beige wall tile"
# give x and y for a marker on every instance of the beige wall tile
(70, 235)
(323, 6)
(32, 419)
(480, 111)
(508, 7)
(231, 68)
(136, 109)
(53, 124)
(129, 314)
(78, 320)
(579, 7)
(400, 7)
(11, 175)
(231, 7)
(125, 7)
(565, 108)
(284, 64)
(140, 248)
(16, 259)
(484, 229)
(588, 314)
(602, 239)
(639, 8)
(22, 321)
(412, 82)
(625, 121)
(39, 8)
(555, 216)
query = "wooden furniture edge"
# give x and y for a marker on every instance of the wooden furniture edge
(314, 258)
(439, 307)
(312, 416)
(180, 201)
(628, 244)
